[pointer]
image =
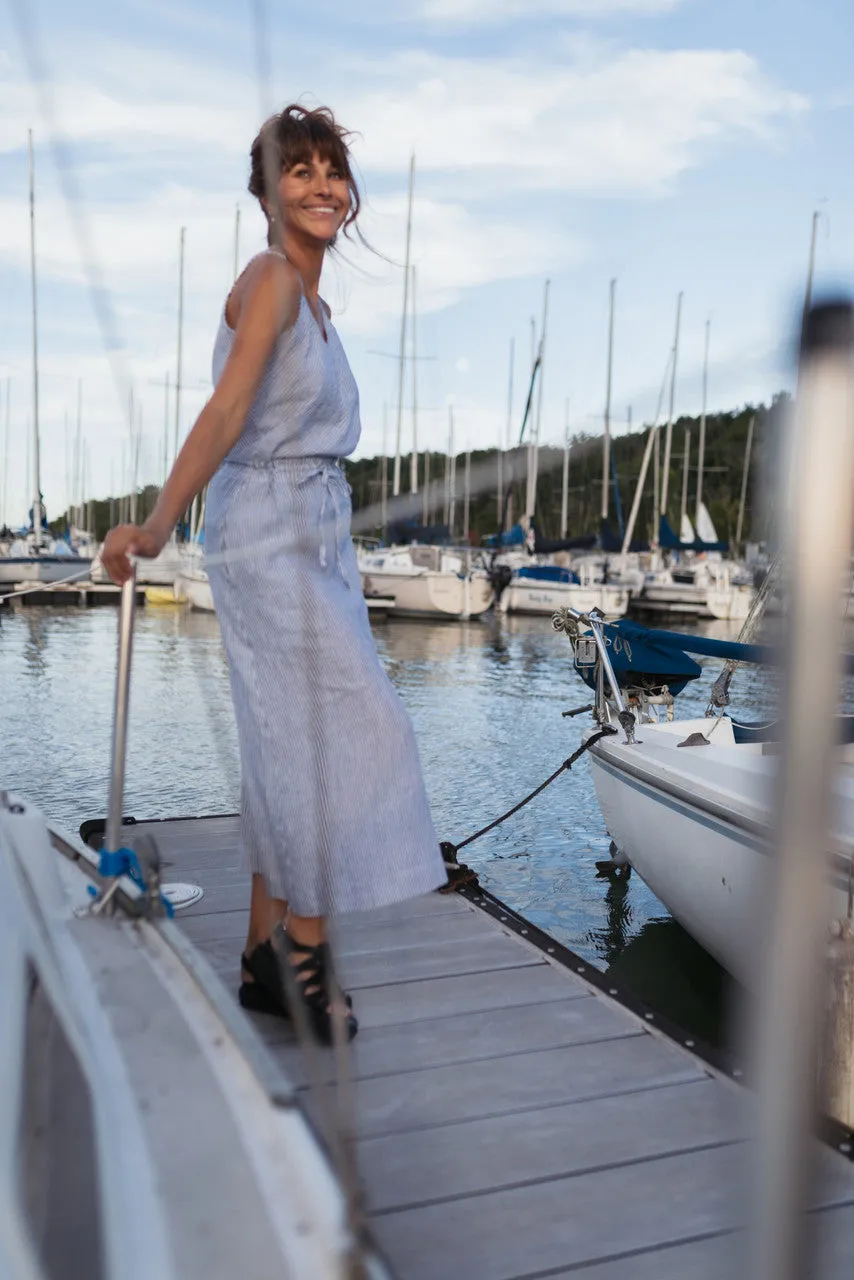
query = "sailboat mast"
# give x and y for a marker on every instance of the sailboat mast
(535, 442)
(606, 437)
(564, 489)
(811, 268)
(166, 429)
(701, 455)
(467, 497)
(37, 497)
(413, 464)
(78, 456)
(668, 438)
(452, 472)
(236, 239)
(504, 444)
(686, 458)
(384, 473)
(403, 318)
(180, 341)
(744, 474)
(6, 451)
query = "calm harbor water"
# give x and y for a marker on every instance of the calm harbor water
(486, 699)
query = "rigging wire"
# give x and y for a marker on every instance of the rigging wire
(23, 13)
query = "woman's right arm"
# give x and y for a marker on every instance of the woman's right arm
(268, 305)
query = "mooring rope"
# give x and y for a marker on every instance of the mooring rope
(449, 848)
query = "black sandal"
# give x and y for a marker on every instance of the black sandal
(268, 994)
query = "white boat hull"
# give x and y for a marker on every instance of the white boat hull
(32, 569)
(732, 604)
(696, 824)
(195, 589)
(429, 594)
(527, 595)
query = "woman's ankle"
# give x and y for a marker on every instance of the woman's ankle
(307, 931)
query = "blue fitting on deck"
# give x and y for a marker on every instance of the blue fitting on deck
(124, 862)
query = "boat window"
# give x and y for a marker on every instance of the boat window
(58, 1169)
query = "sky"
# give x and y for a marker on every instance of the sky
(671, 145)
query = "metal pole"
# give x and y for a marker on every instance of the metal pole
(180, 340)
(413, 464)
(404, 313)
(78, 479)
(818, 535)
(466, 496)
(166, 429)
(112, 838)
(606, 437)
(665, 474)
(452, 472)
(384, 474)
(564, 488)
(37, 500)
(425, 508)
(505, 444)
(744, 474)
(811, 267)
(605, 662)
(686, 459)
(535, 442)
(236, 239)
(701, 456)
(6, 451)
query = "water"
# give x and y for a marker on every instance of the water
(486, 699)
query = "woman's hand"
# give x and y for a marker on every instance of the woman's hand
(128, 540)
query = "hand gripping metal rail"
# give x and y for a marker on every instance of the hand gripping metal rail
(142, 864)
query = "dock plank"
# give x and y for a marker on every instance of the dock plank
(518, 1082)
(470, 1157)
(512, 1121)
(487, 953)
(536, 1229)
(464, 1039)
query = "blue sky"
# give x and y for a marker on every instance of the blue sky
(672, 144)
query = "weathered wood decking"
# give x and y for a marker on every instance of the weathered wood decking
(513, 1120)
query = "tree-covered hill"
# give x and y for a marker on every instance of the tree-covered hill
(726, 435)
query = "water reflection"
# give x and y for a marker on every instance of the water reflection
(485, 697)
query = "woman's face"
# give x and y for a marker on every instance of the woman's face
(314, 199)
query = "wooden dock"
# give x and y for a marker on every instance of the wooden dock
(514, 1119)
(85, 595)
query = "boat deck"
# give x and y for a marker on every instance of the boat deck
(514, 1120)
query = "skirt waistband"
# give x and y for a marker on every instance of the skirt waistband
(312, 462)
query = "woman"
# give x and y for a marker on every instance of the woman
(334, 815)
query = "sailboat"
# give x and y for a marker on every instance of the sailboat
(34, 555)
(412, 579)
(538, 584)
(694, 804)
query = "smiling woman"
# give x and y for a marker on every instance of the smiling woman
(288, 144)
(334, 814)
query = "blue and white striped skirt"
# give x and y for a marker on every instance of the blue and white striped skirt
(334, 813)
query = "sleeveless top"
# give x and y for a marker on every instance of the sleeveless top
(307, 404)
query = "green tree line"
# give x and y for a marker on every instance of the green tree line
(726, 437)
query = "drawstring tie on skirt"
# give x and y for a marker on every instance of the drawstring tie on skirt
(332, 477)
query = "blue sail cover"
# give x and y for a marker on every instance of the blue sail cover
(612, 542)
(669, 541)
(642, 662)
(548, 573)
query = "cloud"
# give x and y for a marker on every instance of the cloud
(609, 123)
(468, 11)
(506, 146)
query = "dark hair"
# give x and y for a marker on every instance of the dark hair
(292, 137)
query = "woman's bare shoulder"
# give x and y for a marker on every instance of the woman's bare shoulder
(267, 274)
